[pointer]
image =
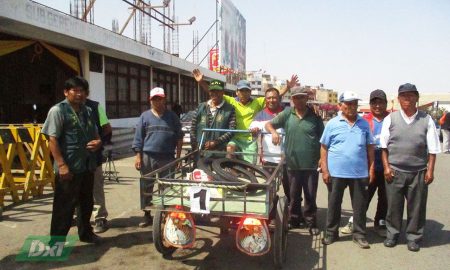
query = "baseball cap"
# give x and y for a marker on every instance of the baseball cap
(243, 84)
(215, 85)
(347, 96)
(298, 91)
(407, 87)
(378, 94)
(157, 91)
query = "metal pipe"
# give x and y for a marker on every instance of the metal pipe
(145, 12)
(201, 40)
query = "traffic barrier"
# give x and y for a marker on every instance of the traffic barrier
(25, 162)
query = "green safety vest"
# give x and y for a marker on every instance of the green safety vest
(220, 121)
(75, 137)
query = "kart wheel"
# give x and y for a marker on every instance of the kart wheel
(280, 233)
(158, 238)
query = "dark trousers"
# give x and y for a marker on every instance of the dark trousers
(306, 180)
(151, 162)
(378, 186)
(410, 186)
(68, 195)
(359, 195)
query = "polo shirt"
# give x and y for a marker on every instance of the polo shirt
(302, 145)
(245, 114)
(347, 147)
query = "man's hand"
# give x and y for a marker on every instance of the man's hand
(198, 75)
(293, 82)
(388, 174)
(276, 138)
(94, 145)
(429, 177)
(64, 173)
(326, 176)
(255, 131)
(138, 162)
(210, 145)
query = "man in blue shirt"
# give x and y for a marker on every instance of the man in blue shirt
(347, 156)
(378, 105)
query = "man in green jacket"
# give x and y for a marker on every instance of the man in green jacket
(215, 113)
(73, 142)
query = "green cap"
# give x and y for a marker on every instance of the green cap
(216, 85)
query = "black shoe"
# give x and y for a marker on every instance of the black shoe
(148, 220)
(91, 238)
(313, 230)
(361, 242)
(328, 239)
(390, 243)
(413, 246)
(101, 225)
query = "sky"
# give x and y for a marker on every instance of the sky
(357, 45)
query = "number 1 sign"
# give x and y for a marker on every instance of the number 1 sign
(199, 197)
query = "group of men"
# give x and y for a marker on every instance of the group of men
(392, 153)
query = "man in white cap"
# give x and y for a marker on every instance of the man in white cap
(347, 159)
(158, 134)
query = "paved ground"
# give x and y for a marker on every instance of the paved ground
(128, 246)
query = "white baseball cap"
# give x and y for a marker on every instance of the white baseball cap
(348, 96)
(157, 91)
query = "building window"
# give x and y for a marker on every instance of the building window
(126, 88)
(95, 62)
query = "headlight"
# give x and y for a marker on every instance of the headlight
(179, 230)
(252, 236)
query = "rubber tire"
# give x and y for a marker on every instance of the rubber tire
(217, 167)
(205, 164)
(280, 233)
(158, 238)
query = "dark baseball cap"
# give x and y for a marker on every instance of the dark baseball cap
(378, 94)
(215, 85)
(407, 87)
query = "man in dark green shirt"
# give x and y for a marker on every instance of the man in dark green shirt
(302, 147)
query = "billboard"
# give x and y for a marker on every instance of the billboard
(233, 38)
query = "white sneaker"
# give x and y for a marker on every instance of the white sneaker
(347, 229)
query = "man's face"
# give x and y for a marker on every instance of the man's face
(244, 95)
(408, 100)
(76, 95)
(216, 96)
(272, 100)
(378, 106)
(349, 108)
(300, 101)
(158, 103)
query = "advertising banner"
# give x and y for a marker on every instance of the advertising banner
(233, 37)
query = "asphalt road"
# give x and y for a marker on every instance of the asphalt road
(128, 246)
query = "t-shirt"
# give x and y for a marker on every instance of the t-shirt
(270, 151)
(245, 114)
(102, 116)
(302, 145)
(347, 147)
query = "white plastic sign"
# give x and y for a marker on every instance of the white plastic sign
(199, 197)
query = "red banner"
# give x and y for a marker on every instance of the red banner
(214, 60)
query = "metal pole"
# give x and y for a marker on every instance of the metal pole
(201, 40)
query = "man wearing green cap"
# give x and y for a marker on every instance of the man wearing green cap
(214, 113)
(246, 109)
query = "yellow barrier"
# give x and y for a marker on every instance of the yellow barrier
(26, 149)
